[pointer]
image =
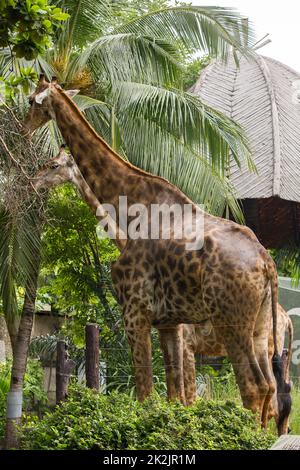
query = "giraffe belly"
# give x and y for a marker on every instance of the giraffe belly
(174, 305)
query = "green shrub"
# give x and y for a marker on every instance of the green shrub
(89, 420)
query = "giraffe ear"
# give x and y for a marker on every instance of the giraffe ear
(41, 96)
(71, 93)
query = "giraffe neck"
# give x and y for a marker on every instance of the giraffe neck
(85, 191)
(106, 173)
(92, 201)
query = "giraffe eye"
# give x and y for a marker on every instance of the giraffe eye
(54, 166)
(30, 101)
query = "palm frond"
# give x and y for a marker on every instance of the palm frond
(130, 57)
(29, 242)
(8, 264)
(86, 102)
(144, 140)
(87, 21)
(211, 134)
(44, 347)
(19, 243)
(213, 30)
(10, 64)
(100, 118)
(115, 132)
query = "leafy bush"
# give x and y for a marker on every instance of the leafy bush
(89, 420)
(27, 26)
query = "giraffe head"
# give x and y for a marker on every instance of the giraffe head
(41, 109)
(60, 169)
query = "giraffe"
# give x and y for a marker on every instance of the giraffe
(207, 341)
(162, 283)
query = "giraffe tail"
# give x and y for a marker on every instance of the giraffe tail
(290, 342)
(279, 365)
(274, 296)
(277, 362)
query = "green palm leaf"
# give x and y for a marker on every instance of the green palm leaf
(180, 164)
(19, 243)
(8, 256)
(44, 347)
(87, 22)
(130, 57)
(9, 64)
(214, 30)
(211, 134)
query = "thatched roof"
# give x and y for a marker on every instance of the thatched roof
(261, 95)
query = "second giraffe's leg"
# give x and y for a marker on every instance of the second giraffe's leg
(250, 379)
(261, 345)
(171, 340)
(163, 339)
(189, 374)
(138, 333)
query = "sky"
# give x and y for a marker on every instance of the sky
(280, 19)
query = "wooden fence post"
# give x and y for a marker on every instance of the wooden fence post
(92, 356)
(64, 367)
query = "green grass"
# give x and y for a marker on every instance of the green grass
(295, 415)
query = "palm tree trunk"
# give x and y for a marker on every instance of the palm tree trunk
(20, 354)
(12, 328)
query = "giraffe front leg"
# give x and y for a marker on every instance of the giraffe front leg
(138, 333)
(171, 341)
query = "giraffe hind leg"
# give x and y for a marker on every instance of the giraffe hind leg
(189, 374)
(261, 346)
(250, 379)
